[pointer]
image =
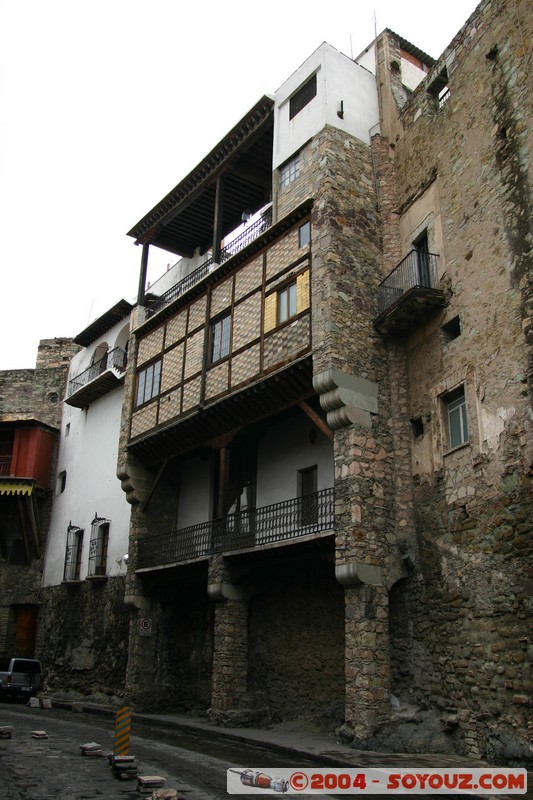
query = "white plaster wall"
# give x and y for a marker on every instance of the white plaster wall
(285, 450)
(194, 499)
(88, 454)
(411, 74)
(338, 78)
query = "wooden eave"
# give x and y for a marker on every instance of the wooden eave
(183, 220)
(117, 313)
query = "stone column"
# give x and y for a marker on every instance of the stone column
(367, 663)
(230, 651)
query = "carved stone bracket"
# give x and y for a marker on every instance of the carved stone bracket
(136, 482)
(346, 398)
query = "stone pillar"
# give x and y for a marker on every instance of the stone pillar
(230, 650)
(367, 663)
(139, 683)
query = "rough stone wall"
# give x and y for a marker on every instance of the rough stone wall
(84, 651)
(37, 393)
(296, 642)
(461, 625)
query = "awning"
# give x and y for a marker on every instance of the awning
(16, 487)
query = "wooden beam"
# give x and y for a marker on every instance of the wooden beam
(319, 422)
(154, 485)
(34, 517)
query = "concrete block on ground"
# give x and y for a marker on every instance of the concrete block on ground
(34, 702)
(39, 734)
(46, 702)
(6, 731)
(164, 794)
(147, 783)
(91, 749)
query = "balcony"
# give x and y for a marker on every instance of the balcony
(98, 379)
(409, 294)
(269, 525)
(235, 246)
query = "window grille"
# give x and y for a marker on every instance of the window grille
(98, 546)
(73, 553)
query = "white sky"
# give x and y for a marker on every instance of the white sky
(104, 107)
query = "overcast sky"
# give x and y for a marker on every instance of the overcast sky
(106, 105)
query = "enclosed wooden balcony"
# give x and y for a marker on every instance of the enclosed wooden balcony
(409, 294)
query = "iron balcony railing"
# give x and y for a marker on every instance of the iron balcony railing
(417, 269)
(5, 465)
(279, 522)
(114, 359)
(235, 246)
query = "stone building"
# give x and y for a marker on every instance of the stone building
(30, 415)
(84, 651)
(326, 430)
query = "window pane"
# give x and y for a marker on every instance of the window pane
(140, 388)
(224, 339)
(148, 385)
(215, 354)
(304, 234)
(292, 300)
(457, 420)
(282, 306)
(455, 428)
(157, 378)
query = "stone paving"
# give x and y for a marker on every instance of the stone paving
(52, 766)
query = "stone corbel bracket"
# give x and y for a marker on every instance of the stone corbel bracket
(225, 591)
(358, 573)
(136, 482)
(346, 399)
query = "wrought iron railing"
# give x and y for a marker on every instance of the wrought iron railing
(417, 269)
(115, 359)
(235, 246)
(279, 522)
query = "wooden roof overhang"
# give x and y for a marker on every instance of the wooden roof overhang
(105, 322)
(270, 395)
(184, 219)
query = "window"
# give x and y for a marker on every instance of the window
(98, 546)
(452, 329)
(421, 248)
(307, 492)
(457, 422)
(220, 338)
(439, 89)
(73, 553)
(302, 97)
(289, 171)
(304, 234)
(148, 383)
(61, 481)
(287, 305)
